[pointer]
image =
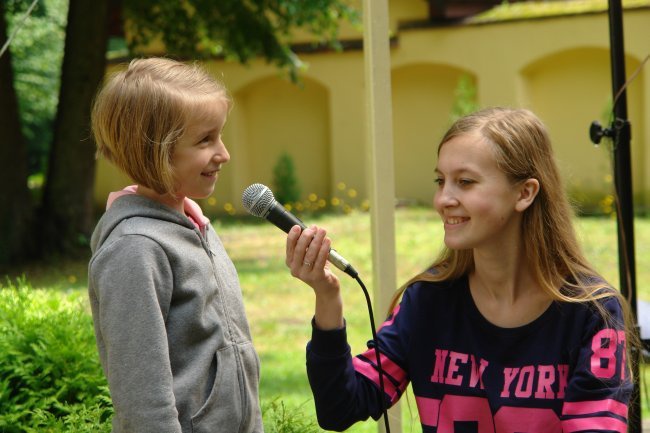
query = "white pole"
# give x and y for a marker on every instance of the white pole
(379, 141)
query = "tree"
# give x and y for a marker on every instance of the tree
(235, 29)
(66, 212)
(231, 29)
(15, 206)
(37, 52)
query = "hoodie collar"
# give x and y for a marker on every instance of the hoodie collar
(192, 209)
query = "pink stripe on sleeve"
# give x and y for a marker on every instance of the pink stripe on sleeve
(369, 371)
(388, 366)
(593, 424)
(591, 407)
(392, 319)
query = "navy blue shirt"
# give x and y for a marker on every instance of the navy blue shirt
(564, 372)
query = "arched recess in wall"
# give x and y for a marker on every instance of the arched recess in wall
(423, 98)
(569, 90)
(279, 116)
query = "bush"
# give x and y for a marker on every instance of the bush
(279, 418)
(50, 376)
(285, 182)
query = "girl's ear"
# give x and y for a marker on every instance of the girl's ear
(527, 192)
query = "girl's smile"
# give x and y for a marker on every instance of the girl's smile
(475, 199)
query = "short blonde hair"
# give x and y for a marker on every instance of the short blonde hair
(141, 113)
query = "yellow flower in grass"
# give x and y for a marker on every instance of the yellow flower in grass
(607, 204)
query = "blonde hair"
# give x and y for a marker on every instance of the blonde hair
(141, 113)
(522, 150)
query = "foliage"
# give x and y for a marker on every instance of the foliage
(285, 181)
(537, 9)
(37, 52)
(49, 369)
(281, 418)
(465, 98)
(234, 29)
(81, 418)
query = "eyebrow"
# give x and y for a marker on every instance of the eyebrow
(459, 170)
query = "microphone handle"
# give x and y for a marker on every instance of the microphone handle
(284, 220)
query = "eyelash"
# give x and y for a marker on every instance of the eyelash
(462, 182)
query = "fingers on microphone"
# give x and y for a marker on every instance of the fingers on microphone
(312, 254)
(292, 237)
(322, 254)
(297, 243)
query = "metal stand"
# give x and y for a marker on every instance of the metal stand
(620, 133)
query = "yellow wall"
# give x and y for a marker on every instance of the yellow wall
(558, 67)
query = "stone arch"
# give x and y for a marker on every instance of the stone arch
(287, 118)
(570, 89)
(423, 97)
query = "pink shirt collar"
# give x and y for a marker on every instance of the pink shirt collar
(192, 209)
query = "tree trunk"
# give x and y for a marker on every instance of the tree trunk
(67, 207)
(15, 203)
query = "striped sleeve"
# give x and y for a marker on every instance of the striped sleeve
(600, 388)
(346, 389)
(391, 359)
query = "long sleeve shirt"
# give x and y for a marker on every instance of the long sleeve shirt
(564, 372)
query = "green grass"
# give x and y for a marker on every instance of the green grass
(280, 307)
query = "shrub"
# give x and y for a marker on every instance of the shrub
(279, 418)
(285, 182)
(465, 101)
(50, 375)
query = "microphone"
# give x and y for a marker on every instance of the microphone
(259, 201)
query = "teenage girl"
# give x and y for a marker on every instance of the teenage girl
(509, 330)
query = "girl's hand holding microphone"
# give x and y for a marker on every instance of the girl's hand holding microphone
(307, 253)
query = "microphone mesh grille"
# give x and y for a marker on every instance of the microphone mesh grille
(258, 199)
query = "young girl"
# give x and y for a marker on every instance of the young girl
(510, 330)
(169, 319)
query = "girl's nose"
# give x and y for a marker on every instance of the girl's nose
(222, 154)
(444, 197)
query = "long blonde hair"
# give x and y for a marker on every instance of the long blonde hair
(523, 151)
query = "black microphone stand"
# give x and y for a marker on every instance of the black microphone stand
(620, 133)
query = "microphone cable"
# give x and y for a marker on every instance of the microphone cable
(259, 201)
(375, 344)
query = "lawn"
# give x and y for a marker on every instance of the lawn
(280, 307)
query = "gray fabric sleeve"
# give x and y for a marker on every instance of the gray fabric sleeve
(133, 282)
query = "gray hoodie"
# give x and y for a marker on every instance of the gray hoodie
(169, 320)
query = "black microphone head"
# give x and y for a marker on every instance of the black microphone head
(258, 199)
